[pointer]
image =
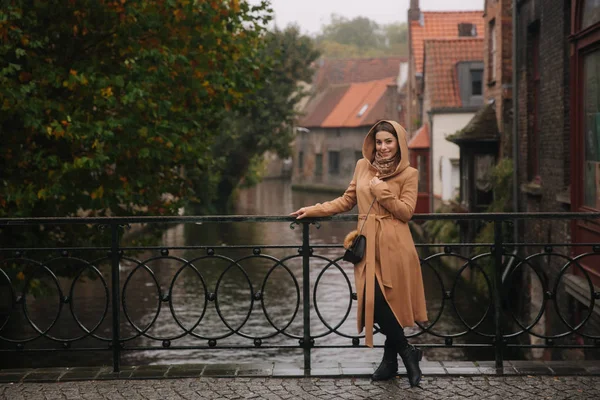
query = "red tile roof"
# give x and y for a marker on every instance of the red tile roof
(320, 106)
(363, 97)
(340, 106)
(421, 139)
(441, 59)
(334, 71)
(440, 25)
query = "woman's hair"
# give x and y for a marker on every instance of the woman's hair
(387, 127)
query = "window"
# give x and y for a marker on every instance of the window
(455, 177)
(467, 29)
(319, 164)
(591, 115)
(470, 79)
(465, 189)
(423, 178)
(492, 63)
(584, 176)
(591, 13)
(476, 82)
(300, 161)
(484, 195)
(362, 110)
(334, 162)
(534, 107)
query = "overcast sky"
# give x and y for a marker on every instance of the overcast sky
(311, 14)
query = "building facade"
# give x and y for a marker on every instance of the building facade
(452, 93)
(558, 114)
(423, 26)
(330, 136)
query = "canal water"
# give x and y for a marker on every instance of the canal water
(259, 298)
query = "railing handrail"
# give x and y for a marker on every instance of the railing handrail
(502, 216)
(495, 281)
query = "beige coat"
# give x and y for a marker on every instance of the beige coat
(391, 255)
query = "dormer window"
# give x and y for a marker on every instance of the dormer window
(467, 29)
(470, 81)
(363, 110)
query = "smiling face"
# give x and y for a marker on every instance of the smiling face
(386, 144)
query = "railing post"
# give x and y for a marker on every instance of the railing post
(499, 345)
(306, 341)
(116, 302)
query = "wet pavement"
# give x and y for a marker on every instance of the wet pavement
(442, 380)
(432, 387)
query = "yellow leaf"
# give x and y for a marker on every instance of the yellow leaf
(106, 92)
(98, 193)
(41, 194)
(21, 276)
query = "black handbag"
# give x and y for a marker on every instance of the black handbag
(356, 251)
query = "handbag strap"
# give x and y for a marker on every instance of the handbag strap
(365, 221)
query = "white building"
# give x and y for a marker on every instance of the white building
(452, 94)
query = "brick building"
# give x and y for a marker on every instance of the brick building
(423, 26)
(498, 65)
(331, 134)
(451, 95)
(486, 140)
(558, 116)
(348, 97)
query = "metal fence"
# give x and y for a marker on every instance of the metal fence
(501, 266)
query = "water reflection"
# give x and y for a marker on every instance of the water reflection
(258, 298)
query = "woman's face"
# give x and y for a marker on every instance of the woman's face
(386, 144)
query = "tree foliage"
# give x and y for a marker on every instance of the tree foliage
(110, 105)
(362, 37)
(266, 122)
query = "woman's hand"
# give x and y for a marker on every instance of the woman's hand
(301, 213)
(375, 181)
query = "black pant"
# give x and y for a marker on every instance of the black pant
(385, 318)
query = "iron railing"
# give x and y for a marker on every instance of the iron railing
(499, 327)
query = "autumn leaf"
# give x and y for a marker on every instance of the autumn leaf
(98, 193)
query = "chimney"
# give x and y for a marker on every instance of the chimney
(414, 12)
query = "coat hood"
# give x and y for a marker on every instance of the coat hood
(368, 149)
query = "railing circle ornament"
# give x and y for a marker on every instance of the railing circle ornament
(180, 297)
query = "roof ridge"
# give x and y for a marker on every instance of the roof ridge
(363, 58)
(452, 12)
(336, 85)
(454, 39)
(375, 81)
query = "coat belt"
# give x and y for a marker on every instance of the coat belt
(373, 223)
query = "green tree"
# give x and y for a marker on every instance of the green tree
(360, 31)
(265, 123)
(362, 37)
(110, 105)
(396, 37)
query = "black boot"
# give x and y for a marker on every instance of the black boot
(388, 368)
(411, 357)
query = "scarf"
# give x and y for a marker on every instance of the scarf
(386, 166)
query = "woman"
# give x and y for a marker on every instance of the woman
(388, 279)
